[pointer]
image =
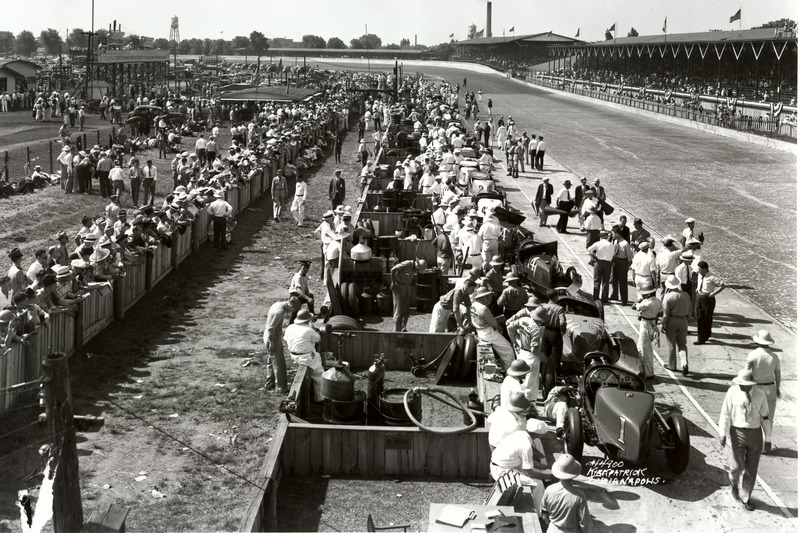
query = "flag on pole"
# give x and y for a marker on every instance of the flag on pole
(512, 29)
(578, 34)
(737, 15)
(664, 29)
(451, 35)
(480, 33)
(613, 27)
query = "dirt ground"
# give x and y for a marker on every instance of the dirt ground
(180, 380)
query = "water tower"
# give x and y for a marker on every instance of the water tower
(174, 33)
(471, 31)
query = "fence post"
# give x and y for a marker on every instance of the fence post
(98, 137)
(85, 146)
(5, 167)
(50, 143)
(28, 156)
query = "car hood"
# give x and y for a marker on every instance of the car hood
(584, 334)
(623, 421)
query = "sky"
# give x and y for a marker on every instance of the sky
(432, 21)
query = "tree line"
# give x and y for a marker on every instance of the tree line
(25, 43)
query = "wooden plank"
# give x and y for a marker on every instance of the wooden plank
(288, 449)
(107, 517)
(449, 456)
(433, 457)
(378, 456)
(336, 451)
(349, 452)
(419, 453)
(315, 457)
(362, 467)
(326, 459)
(484, 454)
(467, 449)
(302, 447)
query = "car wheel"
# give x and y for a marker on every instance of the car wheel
(573, 434)
(468, 355)
(343, 323)
(678, 457)
(549, 381)
(343, 301)
(456, 362)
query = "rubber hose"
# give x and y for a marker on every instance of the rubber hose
(429, 392)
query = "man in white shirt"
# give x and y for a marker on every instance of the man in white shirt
(602, 253)
(301, 338)
(200, 150)
(299, 203)
(692, 232)
(766, 367)
(643, 267)
(489, 232)
(117, 178)
(299, 285)
(220, 210)
(515, 454)
(564, 202)
(149, 182)
(512, 383)
(507, 419)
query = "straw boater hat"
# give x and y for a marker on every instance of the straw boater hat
(218, 194)
(744, 377)
(673, 282)
(328, 214)
(99, 255)
(687, 256)
(518, 402)
(644, 245)
(62, 271)
(693, 241)
(518, 368)
(763, 337)
(303, 317)
(667, 239)
(566, 467)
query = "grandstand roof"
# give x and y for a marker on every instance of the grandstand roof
(531, 37)
(757, 34)
(275, 93)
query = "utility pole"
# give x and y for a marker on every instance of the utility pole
(89, 35)
(67, 506)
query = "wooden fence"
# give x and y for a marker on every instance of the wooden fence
(360, 349)
(62, 333)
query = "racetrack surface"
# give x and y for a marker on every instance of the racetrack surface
(742, 195)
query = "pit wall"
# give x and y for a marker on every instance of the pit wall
(21, 365)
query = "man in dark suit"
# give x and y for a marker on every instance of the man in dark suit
(580, 196)
(544, 195)
(336, 190)
(600, 194)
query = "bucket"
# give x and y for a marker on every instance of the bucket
(392, 409)
(344, 412)
(384, 301)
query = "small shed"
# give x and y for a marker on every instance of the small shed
(17, 74)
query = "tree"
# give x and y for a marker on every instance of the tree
(240, 42)
(336, 43)
(368, 40)
(313, 41)
(392, 46)
(445, 50)
(162, 44)
(101, 36)
(221, 47)
(258, 43)
(781, 23)
(608, 35)
(208, 44)
(25, 43)
(76, 39)
(195, 46)
(184, 47)
(633, 32)
(6, 42)
(405, 43)
(51, 41)
(132, 39)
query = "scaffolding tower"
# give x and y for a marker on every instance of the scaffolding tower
(174, 32)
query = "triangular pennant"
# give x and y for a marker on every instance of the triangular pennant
(629, 49)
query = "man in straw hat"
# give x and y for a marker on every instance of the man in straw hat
(403, 275)
(564, 505)
(744, 415)
(766, 368)
(487, 328)
(301, 338)
(648, 309)
(677, 308)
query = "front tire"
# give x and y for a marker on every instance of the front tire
(678, 457)
(573, 434)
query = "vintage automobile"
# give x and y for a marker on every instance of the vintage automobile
(586, 333)
(539, 268)
(617, 414)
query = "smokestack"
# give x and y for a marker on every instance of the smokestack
(488, 19)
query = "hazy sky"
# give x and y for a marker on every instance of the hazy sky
(431, 20)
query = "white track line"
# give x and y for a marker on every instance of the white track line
(772, 495)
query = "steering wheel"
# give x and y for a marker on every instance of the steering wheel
(601, 377)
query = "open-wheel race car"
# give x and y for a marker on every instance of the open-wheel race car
(586, 333)
(539, 267)
(617, 414)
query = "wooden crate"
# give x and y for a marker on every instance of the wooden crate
(361, 348)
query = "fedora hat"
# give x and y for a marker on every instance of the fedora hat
(667, 239)
(15, 253)
(744, 377)
(647, 292)
(303, 317)
(518, 403)
(672, 282)
(763, 337)
(693, 241)
(518, 368)
(539, 315)
(566, 467)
